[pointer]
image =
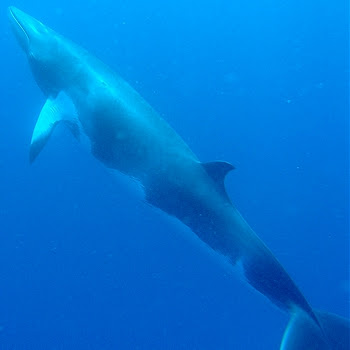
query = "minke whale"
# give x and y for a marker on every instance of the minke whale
(126, 134)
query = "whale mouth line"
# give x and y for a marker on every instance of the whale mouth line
(13, 15)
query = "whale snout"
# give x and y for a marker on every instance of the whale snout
(25, 27)
(16, 20)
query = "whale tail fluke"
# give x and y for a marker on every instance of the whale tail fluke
(302, 333)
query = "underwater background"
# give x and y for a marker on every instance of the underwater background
(262, 85)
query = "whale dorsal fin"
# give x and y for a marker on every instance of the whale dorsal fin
(55, 110)
(218, 171)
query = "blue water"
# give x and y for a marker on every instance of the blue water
(263, 85)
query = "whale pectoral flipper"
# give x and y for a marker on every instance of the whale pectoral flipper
(59, 109)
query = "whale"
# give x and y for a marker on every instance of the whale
(125, 134)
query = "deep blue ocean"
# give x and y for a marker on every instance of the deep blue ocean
(262, 85)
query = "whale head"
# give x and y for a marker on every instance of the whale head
(43, 48)
(30, 33)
